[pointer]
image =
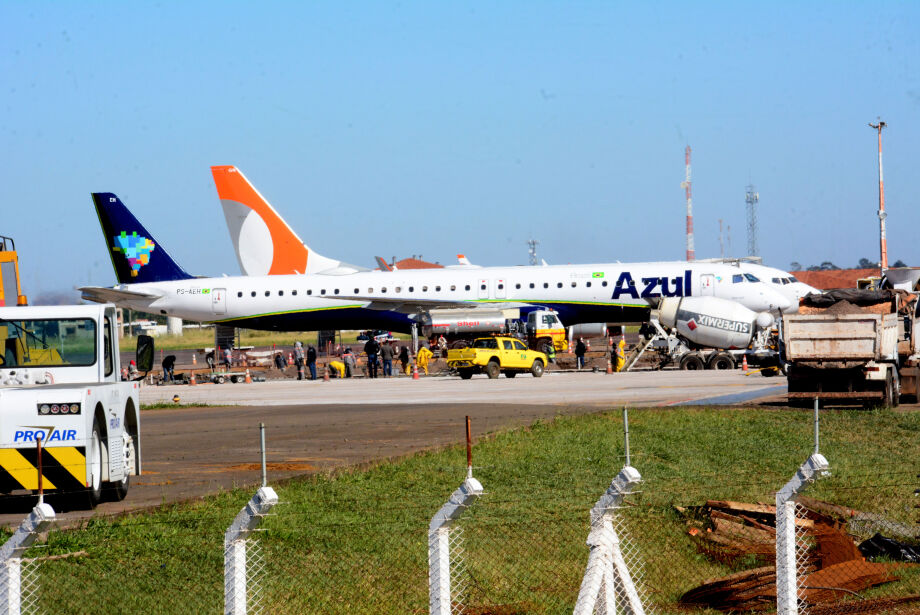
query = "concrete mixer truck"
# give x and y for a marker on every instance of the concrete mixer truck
(706, 333)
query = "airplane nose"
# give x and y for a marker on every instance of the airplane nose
(776, 301)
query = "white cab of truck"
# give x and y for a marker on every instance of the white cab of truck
(60, 383)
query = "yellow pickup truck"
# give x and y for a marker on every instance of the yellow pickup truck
(496, 355)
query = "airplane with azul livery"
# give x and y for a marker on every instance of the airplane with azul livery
(344, 297)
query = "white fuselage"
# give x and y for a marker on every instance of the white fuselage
(610, 292)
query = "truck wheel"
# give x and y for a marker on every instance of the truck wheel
(537, 368)
(127, 447)
(721, 360)
(465, 374)
(94, 465)
(493, 369)
(692, 361)
(891, 392)
(221, 380)
(510, 374)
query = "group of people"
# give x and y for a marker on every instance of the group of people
(386, 352)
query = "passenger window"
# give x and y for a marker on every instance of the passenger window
(280, 293)
(588, 284)
(574, 284)
(239, 294)
(398, 289)
(501, 286)
(267, 293)
(309, 291)
(482, 287)
(545, 284)
(517, 285)
(604, 283)
(508, 345)
(519, 346)
(336, 291)
(383, 289)
(558, 284)
(294, 292)
(453, 287)
(737, 279)
(322, 291)
(531, 284)
(411, 289)
(467, 287)
(253, 293)
(437, 288)
(425, 289)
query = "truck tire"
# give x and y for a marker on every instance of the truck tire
(692, 361)
(121, 487)
(721, 360)
(891, 392)
(493, 369)
(465, 374)
(510, 373)
(536, 368)
(221, 380)
(94, 465)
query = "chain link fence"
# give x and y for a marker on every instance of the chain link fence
(523, 546)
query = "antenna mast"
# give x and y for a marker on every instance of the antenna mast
(881, 197)
(532, 250)
(751, 198)
(691, 253)
(721, 243)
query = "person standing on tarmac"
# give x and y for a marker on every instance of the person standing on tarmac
(386, 355)
(620, 355)
(551, 353)
(404, 359)
(311, 361)
(424, 354)
(580, 350)
(349, 360)
(371, 348)
(298, 359)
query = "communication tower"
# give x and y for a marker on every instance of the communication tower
(752, 198)
(532, 250)
(691, 253)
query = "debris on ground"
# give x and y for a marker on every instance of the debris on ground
(741, 534)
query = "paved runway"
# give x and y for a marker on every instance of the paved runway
(313, 426)
(590, 388)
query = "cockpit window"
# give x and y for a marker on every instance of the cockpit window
(751, 278)
(793, 279)
(737, 278)
(778, 281)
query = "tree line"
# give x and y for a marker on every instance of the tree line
(864, 263)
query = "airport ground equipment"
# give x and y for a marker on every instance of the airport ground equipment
(494, 356)
(706, 333)
(60, 383)
(852, 346)
(541, 330)
(10, 289)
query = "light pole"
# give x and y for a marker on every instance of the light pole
(881, 197)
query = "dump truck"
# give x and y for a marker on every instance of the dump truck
(852, 346)
(494, 356)
(61, 387)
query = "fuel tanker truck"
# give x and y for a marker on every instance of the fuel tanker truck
(541, 330)
(707, 333)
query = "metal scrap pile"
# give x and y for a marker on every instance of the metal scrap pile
(743, 534)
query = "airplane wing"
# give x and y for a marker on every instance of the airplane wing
(411, 306)
(104, 294)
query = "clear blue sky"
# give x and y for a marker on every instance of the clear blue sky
(437, 128)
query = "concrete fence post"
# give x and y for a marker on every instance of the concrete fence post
(607, 569)
(248, 519)
(41, 517)
(439, 564)
(787, 598)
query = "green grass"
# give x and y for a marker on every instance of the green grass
(204, 338)
(355, 541)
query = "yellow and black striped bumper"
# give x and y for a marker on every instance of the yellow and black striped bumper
(63, 468)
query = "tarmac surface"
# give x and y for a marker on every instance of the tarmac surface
(311, 426)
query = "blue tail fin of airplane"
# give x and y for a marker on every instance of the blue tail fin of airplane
(136, 257)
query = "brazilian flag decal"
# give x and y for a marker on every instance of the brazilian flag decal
(597, 274)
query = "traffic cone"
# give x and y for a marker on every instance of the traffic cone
(191, 381)
(326, 373)
(194, 359)
(609, 364)
(415, 371)
(588, 344)
(744, 365)
(290, 358)
(248, 377)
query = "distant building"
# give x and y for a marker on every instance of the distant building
(414, 263)
(834, 278)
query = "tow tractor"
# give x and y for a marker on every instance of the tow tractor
(60, 386)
